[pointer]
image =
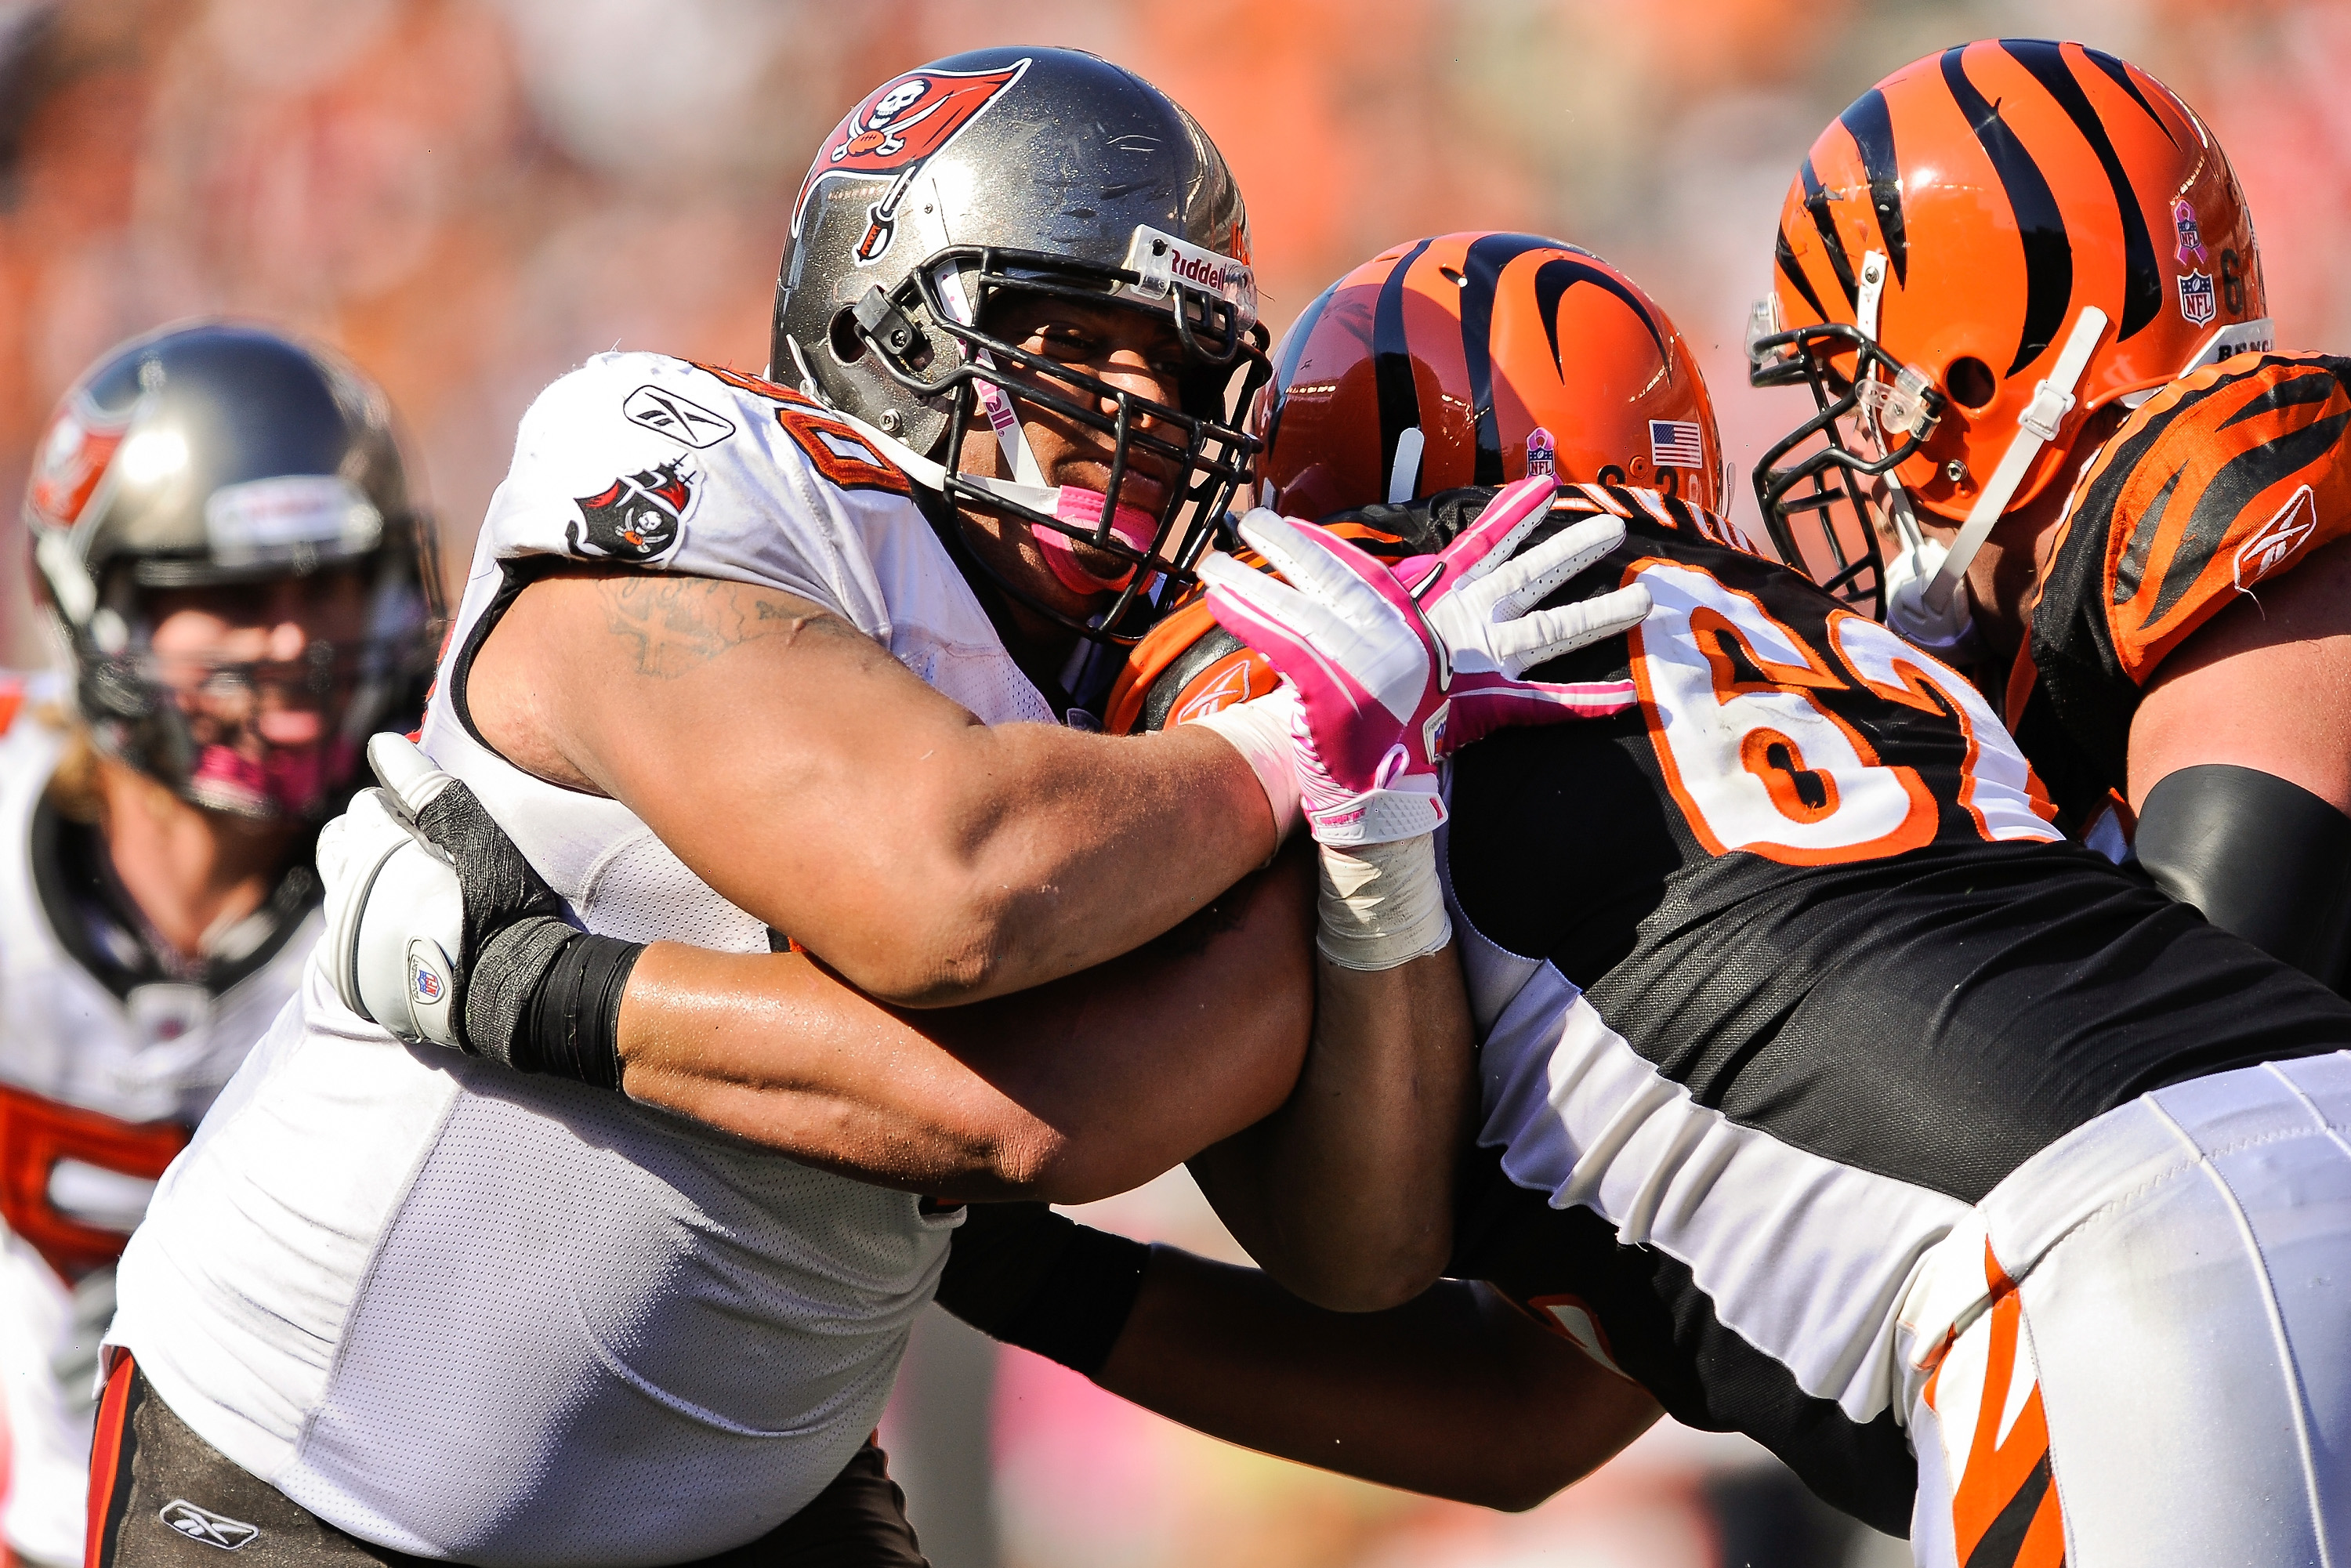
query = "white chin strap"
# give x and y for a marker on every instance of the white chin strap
(2053, 400)
(1002, 417)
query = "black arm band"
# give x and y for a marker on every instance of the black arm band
(2262, 858)
(1021, 1273)
(572, 1028)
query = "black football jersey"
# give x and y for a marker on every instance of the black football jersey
(2221, 481)
(1776, 975)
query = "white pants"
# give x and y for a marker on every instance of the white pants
(2155, 1370)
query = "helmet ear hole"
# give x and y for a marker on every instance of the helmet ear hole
(848, 344)
(1971, 383)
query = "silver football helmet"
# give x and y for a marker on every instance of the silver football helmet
(212, 455)
(1043, 172)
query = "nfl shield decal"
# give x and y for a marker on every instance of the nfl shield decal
(2196, 296)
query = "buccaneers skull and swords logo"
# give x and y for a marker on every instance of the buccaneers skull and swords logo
(637, 518)
(893, 132)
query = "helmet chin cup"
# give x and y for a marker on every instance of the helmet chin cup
(1946, 632)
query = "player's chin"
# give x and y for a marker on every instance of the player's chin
(1042, 584)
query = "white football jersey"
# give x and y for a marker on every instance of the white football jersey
(467, 1314)
(104, 1065)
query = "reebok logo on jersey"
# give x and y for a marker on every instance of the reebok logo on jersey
(203, 1524)
(1235, 678)
(2274, 540)
(679, 418)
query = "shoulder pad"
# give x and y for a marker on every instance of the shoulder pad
(2222, 479)
(1187, 668)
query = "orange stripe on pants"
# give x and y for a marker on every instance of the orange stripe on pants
(2004, 1511)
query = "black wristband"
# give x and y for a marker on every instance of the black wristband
(572, 1027)
(1022, 1274)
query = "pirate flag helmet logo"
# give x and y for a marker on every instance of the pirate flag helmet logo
(894, 132)
(637, 518)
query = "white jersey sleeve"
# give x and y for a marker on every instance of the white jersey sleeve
(649, 461)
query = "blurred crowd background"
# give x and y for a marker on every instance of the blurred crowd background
(469, 196)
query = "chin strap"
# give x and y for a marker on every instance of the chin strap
(2053, 400)
(1002, 417)
(1072, 504)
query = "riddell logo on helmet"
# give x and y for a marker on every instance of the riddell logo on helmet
(1199, 271)
(1162, 264)
(895, 130)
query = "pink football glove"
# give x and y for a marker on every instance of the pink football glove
(1479, 597)
(1375, 676)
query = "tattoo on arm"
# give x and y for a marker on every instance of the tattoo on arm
(674, 625)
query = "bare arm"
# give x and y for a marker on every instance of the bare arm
(800, 771)
(1071, 1091)
(2265, 684)
(1456, 1394)
(1345, 1194)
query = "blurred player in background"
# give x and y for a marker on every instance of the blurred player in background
(242, 590)
(2053, 442)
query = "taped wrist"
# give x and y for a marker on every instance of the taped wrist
(1024, 1275)
(1260, 731)
(545, 996)
(1380, 905)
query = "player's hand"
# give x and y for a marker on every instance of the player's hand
(1379, 678)
(1479, 594)
(437, 927)
(1369, 672)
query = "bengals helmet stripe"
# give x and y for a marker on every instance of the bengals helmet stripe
(1399, 393)
(1480, 281)
(1816, 201)
(2142, 293)
(1786, 255)
(1871, 129)
(1285, 364)
(2048, 253)
(1481, 342)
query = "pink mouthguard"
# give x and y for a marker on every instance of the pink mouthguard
(1083, 509)
(288, 781)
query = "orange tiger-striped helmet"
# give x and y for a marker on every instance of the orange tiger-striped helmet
(1444, 361)
(1967, 219)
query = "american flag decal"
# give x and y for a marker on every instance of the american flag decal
(1675, 444)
